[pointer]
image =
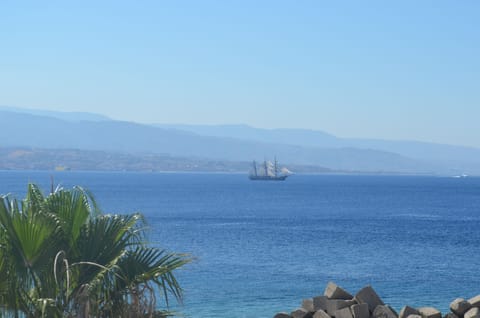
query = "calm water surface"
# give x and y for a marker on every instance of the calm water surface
(261, 247)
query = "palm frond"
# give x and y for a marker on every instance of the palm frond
(59, 255)
(145, 264)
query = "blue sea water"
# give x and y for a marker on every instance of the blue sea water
(261, 247)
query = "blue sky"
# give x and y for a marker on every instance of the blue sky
(383, 69)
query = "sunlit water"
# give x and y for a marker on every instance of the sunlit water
(260, 247)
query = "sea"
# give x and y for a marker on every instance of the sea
(260, 247)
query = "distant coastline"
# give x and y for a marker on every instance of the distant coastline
(64, 160)
(25, 158)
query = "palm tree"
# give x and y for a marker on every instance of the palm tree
(60, 256)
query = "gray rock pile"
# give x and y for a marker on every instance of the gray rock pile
(338, 303)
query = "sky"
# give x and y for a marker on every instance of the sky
(370, 69)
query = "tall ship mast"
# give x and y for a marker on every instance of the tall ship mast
(268, 170)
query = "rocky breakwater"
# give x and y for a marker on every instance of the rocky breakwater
(338, 303)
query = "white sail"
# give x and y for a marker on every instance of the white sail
(284, 170)
(269, 168)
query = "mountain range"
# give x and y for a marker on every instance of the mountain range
(233, 143)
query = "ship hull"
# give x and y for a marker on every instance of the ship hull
(268, 178)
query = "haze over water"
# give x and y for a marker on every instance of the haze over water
(261, 247)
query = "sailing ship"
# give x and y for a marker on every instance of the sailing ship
(268, 171)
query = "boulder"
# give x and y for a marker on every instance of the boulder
(429, 312)
(320, 303)
(343, 313)
(321, 314)
(338, 303)
(333, 291)
(382, 311)
(393, 310)
(367, 295)
(407, 311)
(475, 301)
(360, 311)
(335, 304)
(460, 306)
(301, 313)
(308, 304)
(473, 313)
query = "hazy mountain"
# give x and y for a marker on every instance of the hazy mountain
(28, 130)
(69, 116)
(298, 137)
(457, 159)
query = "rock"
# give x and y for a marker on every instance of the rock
(393, 310)
(368, 296)
(338, 303)
(473, 313)
(475, 301)
(321, 314)
(320, 303)
(382, 311)
(343, 313)
(307, 304)
(333, 291)
(301, 313)
(429, 312)
(360, 311)
(460, 306)
(335, 304)
(407, 311)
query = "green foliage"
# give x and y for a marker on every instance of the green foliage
(61, 257)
